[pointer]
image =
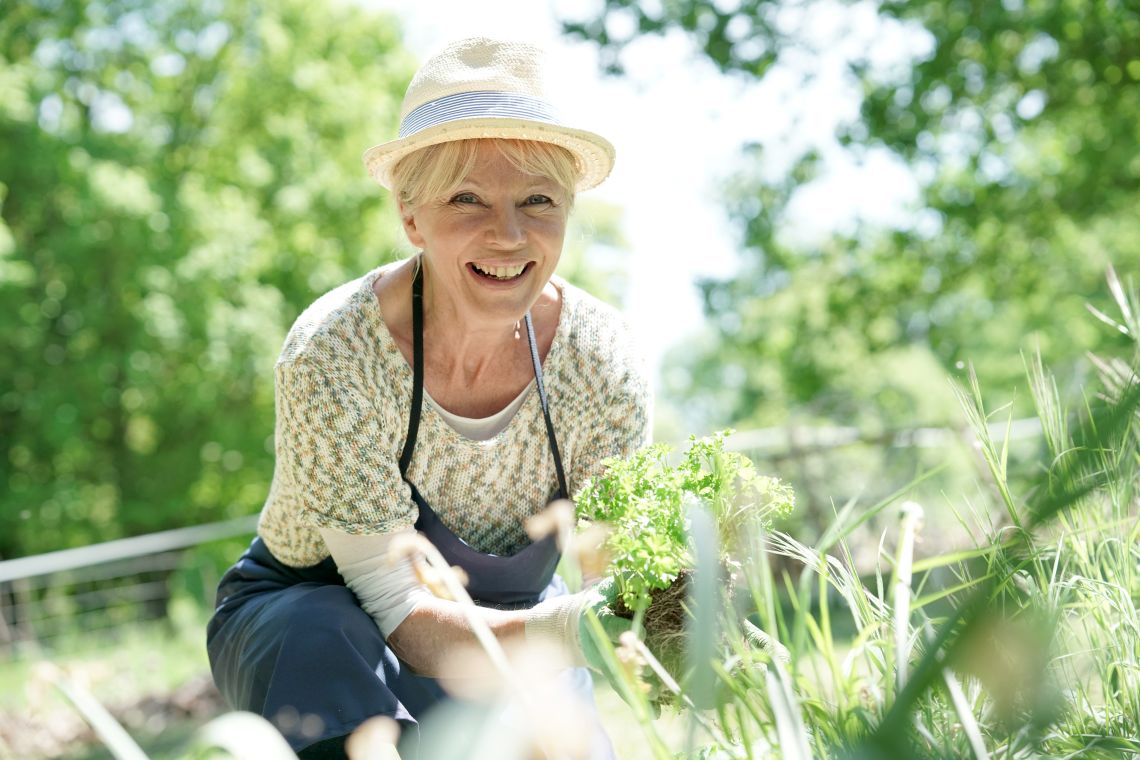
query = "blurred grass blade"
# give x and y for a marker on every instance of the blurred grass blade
(701, 625)
(671, 684)
(793, 737)
(246, 736)
(972, 405)
(1106, 319)
(891, 732)
(965, 715)
(942, 593)
(114, 737)
(704, 604)
(962, 707)
(629, 691)
(1105, 427)
(956, 558)
(1126, 301)
(910, 517)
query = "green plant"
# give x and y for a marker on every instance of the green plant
(643, 499)
(673, 529)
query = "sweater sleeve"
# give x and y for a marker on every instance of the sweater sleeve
(623, 421)
(336, 452)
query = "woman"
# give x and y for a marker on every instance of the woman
(455, 394)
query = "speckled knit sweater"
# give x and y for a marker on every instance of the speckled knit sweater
(343, 393)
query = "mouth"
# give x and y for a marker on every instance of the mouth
(500, 273)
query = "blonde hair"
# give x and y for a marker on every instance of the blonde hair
(437, 170)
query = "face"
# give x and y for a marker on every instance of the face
(492, 245)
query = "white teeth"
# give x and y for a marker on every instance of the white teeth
(502, 273)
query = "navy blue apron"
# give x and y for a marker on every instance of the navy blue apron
(294, 645)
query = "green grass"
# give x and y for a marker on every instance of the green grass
(119, 669)
(176, 741)
(145, 658)
(1027, 645)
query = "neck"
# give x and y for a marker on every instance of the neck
(465, 349)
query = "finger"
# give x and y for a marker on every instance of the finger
(607, 589)
(615, 626)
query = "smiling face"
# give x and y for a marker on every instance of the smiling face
(492, 243)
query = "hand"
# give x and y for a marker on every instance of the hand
(629, 663)
(564, 619)
(599, 599)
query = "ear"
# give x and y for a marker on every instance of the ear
(408, 220)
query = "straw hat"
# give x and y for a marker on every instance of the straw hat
(478, 88)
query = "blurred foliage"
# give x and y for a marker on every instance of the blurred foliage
(178, 180)
(595, 255)
(1019, 122)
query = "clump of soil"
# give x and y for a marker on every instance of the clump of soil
(665, 623)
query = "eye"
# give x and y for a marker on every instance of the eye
(537, 200)
(465, 198)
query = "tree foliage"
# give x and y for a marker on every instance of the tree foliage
(1019, 123)
(178, 179)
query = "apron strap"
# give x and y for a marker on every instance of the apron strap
(418, 385)
(563, 491)
(417, 368)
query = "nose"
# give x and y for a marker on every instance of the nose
(506, 228)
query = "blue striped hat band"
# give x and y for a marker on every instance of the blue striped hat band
(478, 105)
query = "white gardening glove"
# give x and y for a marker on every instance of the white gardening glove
(563, 619)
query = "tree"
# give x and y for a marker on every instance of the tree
(1019, 122)
(178, 180)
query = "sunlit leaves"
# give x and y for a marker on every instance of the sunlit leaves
(1018, 122)
(180, 180)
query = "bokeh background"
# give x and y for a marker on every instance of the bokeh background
(824, 214)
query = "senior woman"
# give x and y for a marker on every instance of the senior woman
(455, 393)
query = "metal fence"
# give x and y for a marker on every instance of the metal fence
(95, 588)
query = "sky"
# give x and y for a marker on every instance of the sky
(678, 126)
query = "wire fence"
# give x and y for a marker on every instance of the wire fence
(83, 591)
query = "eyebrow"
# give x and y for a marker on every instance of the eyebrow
(539, 182)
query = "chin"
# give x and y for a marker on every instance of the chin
(507, 312)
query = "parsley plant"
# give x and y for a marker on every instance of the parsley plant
(642, 499)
